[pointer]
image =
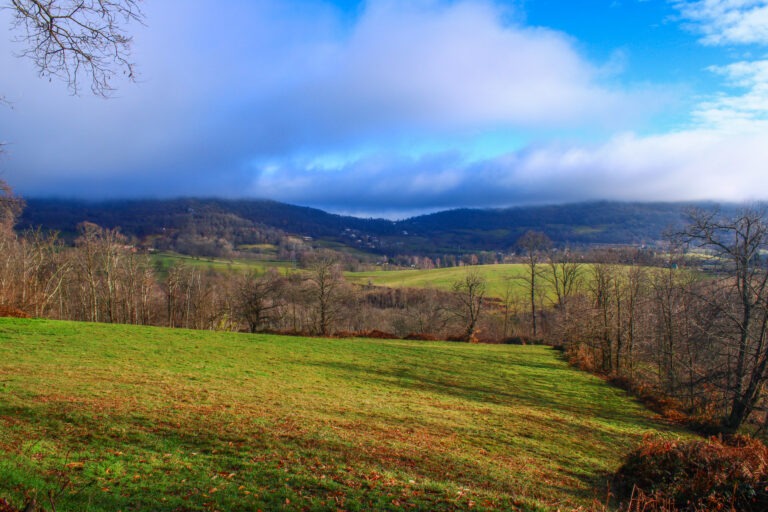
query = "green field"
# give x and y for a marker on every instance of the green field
(110, 417)
(166, 259)
(498, 278)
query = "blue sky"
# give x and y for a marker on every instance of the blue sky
(395, 107)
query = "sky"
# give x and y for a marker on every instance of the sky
(397, 107)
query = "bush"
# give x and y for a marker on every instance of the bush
(381, 335)
(714, 474)
(7, 311)
(417, 336)
(345, 334)
(518, 340)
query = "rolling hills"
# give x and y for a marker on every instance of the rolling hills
(181, 223)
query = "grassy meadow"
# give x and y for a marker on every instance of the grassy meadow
(498, 278)
(166, 260)
(112, 417)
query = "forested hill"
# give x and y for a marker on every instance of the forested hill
(149, 216)
(454, 231)
(578, 224)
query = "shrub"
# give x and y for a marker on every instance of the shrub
(8, 311)
(510, 340)
(517, 340)
(421, 337)
(714, 474)
(381, 335)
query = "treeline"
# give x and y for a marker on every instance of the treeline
(103, 278)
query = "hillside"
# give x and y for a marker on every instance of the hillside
(119, 417)
(206, 225)
(577, 224)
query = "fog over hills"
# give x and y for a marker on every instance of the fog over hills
(454, 231)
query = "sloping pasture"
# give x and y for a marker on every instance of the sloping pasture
(110, 417)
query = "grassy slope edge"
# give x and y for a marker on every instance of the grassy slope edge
(131, 418)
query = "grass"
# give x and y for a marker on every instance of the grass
(165, 260)
(498, 278)
(133, 418)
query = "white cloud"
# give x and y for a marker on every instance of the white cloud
(223, 84)
(436, 66)
(745, 112)
(732, 22)
(724, 22)
(687, 165)
(227, 84)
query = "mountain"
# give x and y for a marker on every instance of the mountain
(243, 222)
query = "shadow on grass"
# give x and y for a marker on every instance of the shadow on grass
(606, 412)
(594, 398)
(283, 463)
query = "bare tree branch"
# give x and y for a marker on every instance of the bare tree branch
(77, 41)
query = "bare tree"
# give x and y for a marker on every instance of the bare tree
(509, 305)
(635, 279)
(138, 282)
(470, 291)
(116, 283)
(42, 265)
(534, 245)
(77, 40)
(257, 298)
(601, 288)
(740, 302)
(564, 276)
(296, 300)
(10, 209)
(87, 266)
(187, 298)
(429, 312)
(326, 285)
